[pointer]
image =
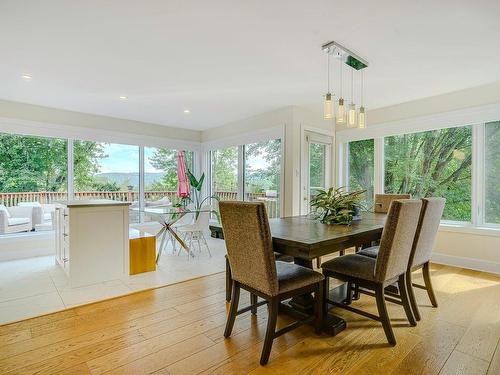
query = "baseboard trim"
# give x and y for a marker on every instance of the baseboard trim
(470, 263)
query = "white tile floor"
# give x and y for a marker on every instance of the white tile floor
(36, 286)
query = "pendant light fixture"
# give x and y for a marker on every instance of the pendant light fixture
(341, 107)
(362, 114)
(351, 115)
(328, 105)
(348, 116)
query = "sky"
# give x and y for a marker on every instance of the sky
(125, 159)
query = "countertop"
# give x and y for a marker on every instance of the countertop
(93, 203)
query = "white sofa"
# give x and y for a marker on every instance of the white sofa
(16, 219)
(43, 215)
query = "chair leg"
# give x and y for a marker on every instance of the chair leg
(229, 281)
(270, 331)
(318, 308)
(318, 262)
(405, 299)
(384, 316)
(253, 303)
(233, 310)
(428, 284)
(411, 296)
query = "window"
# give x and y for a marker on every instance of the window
(225, 173)
(432, 163)
(106, 171)
(250, 172)
(360, 169)
(317, 167)
(492, 173)
(262, 174)
(33, 171)
(160, 174)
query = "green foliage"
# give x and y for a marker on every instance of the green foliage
(433, 163)
(258, 180)
(492, 172)
(165, 159)
(32, 163)
(225, 169)
(361, 168)
(336, 206)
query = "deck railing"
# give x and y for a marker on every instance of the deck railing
(13, 199)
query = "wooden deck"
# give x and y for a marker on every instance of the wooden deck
(178, 330)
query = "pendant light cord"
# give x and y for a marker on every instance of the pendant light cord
(352, 86)
(328, 91)
(362, 87)
(341, 79)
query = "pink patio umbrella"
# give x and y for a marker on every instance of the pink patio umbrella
(182, 179)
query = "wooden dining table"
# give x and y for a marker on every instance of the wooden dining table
(305, 239)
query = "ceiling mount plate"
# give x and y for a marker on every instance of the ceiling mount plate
(345, 55)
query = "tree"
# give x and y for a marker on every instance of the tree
(361, 168)
(433, 163)
(225, 169)
(32, 163)
(260, 179)
(86, 156)
(165, 159)
(492, 172)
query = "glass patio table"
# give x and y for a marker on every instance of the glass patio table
(168, 216)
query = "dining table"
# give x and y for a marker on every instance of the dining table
(306, 238)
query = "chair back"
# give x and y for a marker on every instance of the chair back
(249, 245)
(428, 225)
(397, 239)
(383, 201)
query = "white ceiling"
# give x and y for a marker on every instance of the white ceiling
(227, 60)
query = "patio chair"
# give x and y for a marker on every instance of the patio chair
(15, 219)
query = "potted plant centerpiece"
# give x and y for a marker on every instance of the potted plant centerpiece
(337, 206)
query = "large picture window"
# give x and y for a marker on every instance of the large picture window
(250, 172)
(360, 169)
(106, 171)
(262, 174)
(35, 165)
(432, 163)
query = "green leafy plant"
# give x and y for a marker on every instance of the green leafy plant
(336, 206)
(198, 200)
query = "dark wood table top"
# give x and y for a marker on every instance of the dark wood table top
(306, 238)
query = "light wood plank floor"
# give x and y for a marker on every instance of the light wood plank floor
(178, 330)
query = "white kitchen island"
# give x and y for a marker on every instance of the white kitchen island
(92, 241)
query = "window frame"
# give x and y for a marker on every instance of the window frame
(475, 117)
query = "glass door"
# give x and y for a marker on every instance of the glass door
(318, 167)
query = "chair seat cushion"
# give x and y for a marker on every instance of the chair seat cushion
(18, 220)
(371, 252)
(292, 276)
(354, 265)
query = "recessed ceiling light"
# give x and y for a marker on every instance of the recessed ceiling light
(123, 97)
(27, 77)
(187, 111)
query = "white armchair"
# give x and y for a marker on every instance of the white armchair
(15, 219)
(42, 216)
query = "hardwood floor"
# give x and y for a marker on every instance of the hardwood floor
(178, 330)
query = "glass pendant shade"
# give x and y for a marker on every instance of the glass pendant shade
(351, 116)
(328, 107)
(362, 118)
(341, 112)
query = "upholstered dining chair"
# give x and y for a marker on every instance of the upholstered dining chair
(254, 268)
(390, 265)
(383, 201)
(425, 236)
